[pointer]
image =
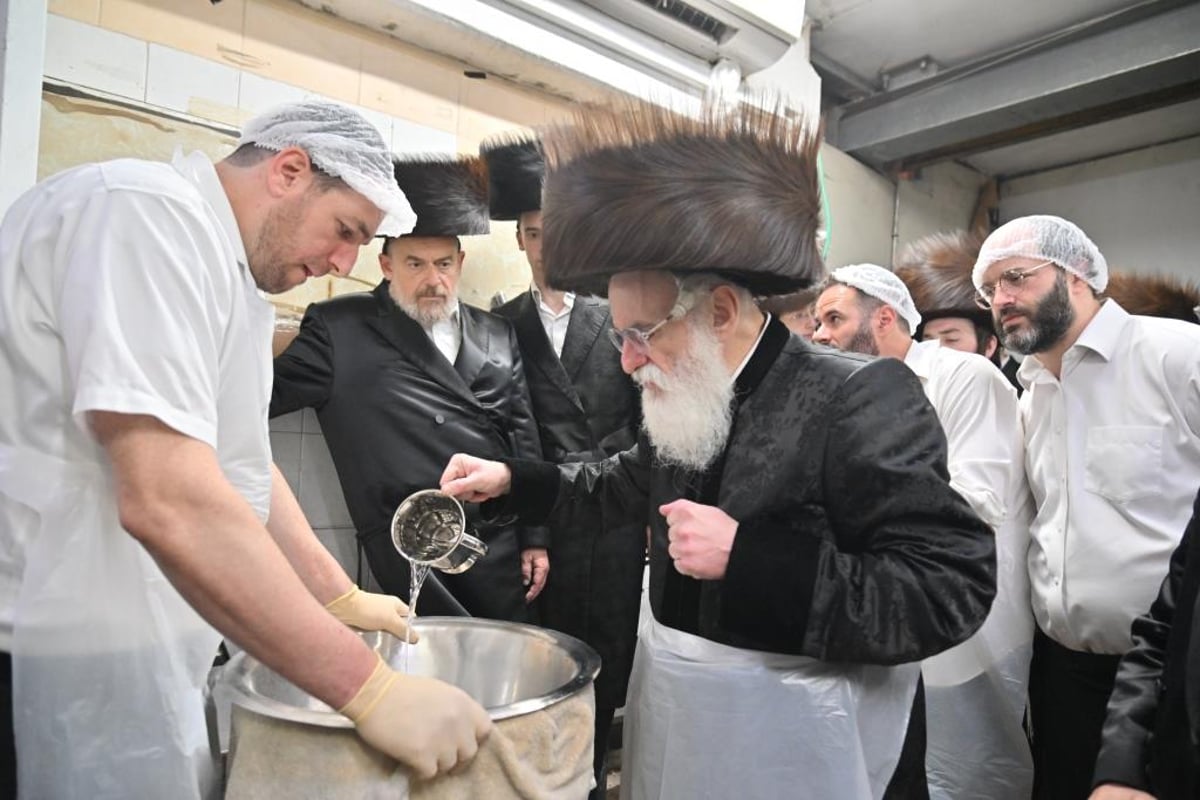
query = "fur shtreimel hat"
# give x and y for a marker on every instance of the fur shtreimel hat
(937, 271)
(1155, 295)
(515, 168)
(638, 187)
(450, 195)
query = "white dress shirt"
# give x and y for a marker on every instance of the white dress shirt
(979, 412)
(447, 334)
(554, 322)
(1113, 459)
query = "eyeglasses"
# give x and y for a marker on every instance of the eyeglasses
(1012, 280)
(639, 339)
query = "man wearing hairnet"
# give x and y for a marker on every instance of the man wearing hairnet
(1112, 434)
(141, 514)
(806, 548)
(975, 692)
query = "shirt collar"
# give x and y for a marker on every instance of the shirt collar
(754, 367)
(1102, 335)
(450, 321)
(920, 357)
(199, 171)
(568, 300)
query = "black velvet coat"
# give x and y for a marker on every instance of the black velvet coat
(393, 411)
(851, 545)
(587, 409)
(1151, 736)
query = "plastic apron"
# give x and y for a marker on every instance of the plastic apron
(705, 720)
(975, 692)
(109, 661)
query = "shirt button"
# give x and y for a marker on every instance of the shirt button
(439, 419)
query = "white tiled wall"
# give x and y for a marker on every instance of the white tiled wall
(161, 76)
(300, 451)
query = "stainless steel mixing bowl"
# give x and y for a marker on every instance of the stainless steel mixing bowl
(511, 669)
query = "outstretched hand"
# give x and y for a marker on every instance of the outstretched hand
(474, 480)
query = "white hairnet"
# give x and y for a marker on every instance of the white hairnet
(342, 144)
(1044, 238)
(883, 285)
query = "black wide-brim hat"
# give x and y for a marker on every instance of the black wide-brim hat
(449, 194)
(515, 169)
(937, 271)
(639, 187)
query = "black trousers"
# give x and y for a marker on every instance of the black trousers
(8, 745)
(604, 718)
(909, 781)
(1068, 693)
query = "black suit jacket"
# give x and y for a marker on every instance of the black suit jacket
(1151, 736)
(851, 546)
(587, 408)
(393, 411)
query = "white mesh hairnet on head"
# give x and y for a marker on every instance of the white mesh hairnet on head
(341, 143)
(883, 285)
(1044, 238)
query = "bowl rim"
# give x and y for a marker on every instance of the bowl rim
(242, 667)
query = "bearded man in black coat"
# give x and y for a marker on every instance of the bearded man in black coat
(587, 409)
(406, 375)
(806, 548)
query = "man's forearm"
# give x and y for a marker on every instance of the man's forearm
(174, 498)
(317, 568)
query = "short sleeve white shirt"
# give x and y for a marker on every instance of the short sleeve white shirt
(1113, 459)
(124, 288)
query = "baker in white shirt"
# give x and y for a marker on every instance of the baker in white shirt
(1112, 430)
(974, 692)
(140, 514)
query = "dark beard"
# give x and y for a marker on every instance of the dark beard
(863, 341)
(1048, 323)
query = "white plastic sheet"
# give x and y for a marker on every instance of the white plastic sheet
(709, 721)
(109, 661)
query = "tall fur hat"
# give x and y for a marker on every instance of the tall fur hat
(515, 169)
(449, 194)
(1155, 295)
(937, 271)
(636, 187)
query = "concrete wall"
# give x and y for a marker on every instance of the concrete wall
(1141, 208)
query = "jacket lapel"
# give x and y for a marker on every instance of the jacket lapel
(540, 354)
(409, 338)
(476, 344)
(587, 321)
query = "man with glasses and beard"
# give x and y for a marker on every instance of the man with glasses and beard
(975, 693)
(806, 546)
(406, 375)
(1112, 432)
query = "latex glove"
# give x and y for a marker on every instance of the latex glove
(372, 612)
(535, 568)
(426, 724)
(1113, 791)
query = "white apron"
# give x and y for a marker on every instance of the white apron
(705, 720)
(108, 660)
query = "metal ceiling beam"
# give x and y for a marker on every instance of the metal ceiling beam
(1154, 61)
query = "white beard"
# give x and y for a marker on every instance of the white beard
(424, 314)
(688, 414)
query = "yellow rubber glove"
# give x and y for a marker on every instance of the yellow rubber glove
(426, 724)
(372, 612)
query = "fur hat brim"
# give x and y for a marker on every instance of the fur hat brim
(637, 187)
(449, 195)
(937, 271)
(1154, 295)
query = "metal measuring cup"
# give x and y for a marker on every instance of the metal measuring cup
(430, 527)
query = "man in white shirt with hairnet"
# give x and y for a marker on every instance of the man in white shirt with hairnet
(1112, 434)
(141, 516)
(975, 692)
